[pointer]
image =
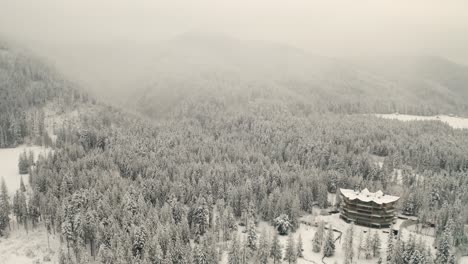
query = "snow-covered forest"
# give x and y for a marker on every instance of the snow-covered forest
(217, 179)
(233, 132)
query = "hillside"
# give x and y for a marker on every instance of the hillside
(241, 71)
(232, 153)
(26, 86)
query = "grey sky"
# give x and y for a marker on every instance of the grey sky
(328, 27)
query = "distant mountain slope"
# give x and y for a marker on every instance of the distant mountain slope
(26, 84)
(193, 67)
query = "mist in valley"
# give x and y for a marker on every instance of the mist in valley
(233, 132)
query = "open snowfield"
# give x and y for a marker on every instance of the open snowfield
(9, 158)
(22, 248)
(453, 121)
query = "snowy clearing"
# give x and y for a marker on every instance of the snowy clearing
(307, 233)
(22, 248)
(9, 158)
(453, 121)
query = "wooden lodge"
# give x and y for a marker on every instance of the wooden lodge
(368, 209)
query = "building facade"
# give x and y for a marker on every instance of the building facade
(367, 208)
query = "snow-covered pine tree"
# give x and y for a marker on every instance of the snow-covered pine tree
(23, 163)
(290, 254)
(234, 254)
(329, 246)
(390, 244)
(317, 241)
(376, 245)
(276, 250)
(300, 247)
(443, 249)
(283, 224)
(5, 208)
(263, 252)
(252, 237)
(368, 245)
(348, 245)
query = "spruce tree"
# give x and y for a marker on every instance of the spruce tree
(300, 247)
(234, 254)
(5, 208)
(317, 241)
(443, 249)
(329, 246)
(376, 245)
(263, 248)
(276, 250)
(390, 244)
(22, 187)
(368, 245)
(348, 245)
(23, 164)
(252, 237)
(290, 254)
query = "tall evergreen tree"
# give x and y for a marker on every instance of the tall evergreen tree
(263, 252)
(300, 247)
(317, 241)
(5, 207)
(348, 246)
(368, 245)
(329, 246)
(234, 254)
(290, 254)
(276, 250)
(376, 245)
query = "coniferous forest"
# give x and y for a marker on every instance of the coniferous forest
(137, 186)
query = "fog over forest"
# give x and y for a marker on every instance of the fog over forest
(107, 44)
(233, 132)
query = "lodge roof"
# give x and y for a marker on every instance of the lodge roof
(366, 196)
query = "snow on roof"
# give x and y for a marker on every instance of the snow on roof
(366, 196)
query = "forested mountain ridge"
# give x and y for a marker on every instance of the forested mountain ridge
(228, 67)
(26, 85)
(124, 188)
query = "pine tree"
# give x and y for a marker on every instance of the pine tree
(398, 251)
(283, 224)
(263, 248)
(348, 245)
(317, 241)
(376, 245)
(23, 164)
(390, 244)
(300, 247)
(199, 256)
(443, 249)
(276, 250)
(290, 254)
(329, 246)
(234, 254)
(368, 246)
(22, 187)
(5, 208)
(252, 237)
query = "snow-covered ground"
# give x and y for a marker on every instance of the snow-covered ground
(22, 248)
(9, 158)
(453, 121)
(307, 233)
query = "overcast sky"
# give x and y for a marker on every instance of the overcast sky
(328, 27)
